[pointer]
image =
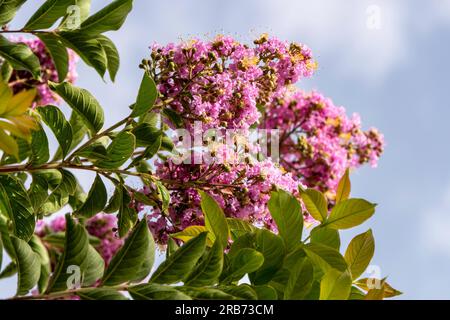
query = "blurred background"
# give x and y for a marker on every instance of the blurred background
(387, 60)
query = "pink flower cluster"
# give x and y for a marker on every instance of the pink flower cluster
(102, 226)
(318, 141)
(21, 79)
(241, 189)
(229, 85)
(221, 82)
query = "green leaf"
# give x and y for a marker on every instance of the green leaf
(344, 187)
(77, 252)
(40, 153)
(96, 199)
(90, 49)
(350, 213)
(8, 9)
(116, 200)
(79, 131)
(325, 257)
(335, 285)
(326, 236)
(205, 293)
(149, 152)
(94, 151)
(82, 102)
(150, 291)
(208, 271)
(28, 266)
(190, 232)
(240, 225)
(245, 261)
(243, 291)
(6, 71)
(119, 151)
(48, 14)
(4, 233)
(146, 97)
(359, 253)
(39, 248)
(9, 271)
(300, 280)
(68, 184)
(164, 195)
(286, 211)
(20, 56)
(265, 292)
(181, 262)
(215, 220)
(112, 56)
(127, 215)
(109, 18)
(316, 204)
(172, 246)
(174, 117)
(100, 294)
(15, 204)
(146, 134)
(58, 239)
(124, 265)
(55, 120)
(58, 52)
(273, 250)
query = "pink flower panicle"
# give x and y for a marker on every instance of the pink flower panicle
(242, 189)
(221, 82)
(318, 141)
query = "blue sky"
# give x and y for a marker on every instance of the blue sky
(395, 76)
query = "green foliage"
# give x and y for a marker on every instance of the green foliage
(109, 18)
(316, 204)
(215, 221)
(77, 31)
(313, 270)
(19, 56)
(16, 206)
(48, 14)
(146, 97)
(96, 199)
(350, 213)
(8, 10)
(56, 121)
(28, 263)
(178, 265)
(139, 249)
(77, 253)
(286, 211)
(83, 103)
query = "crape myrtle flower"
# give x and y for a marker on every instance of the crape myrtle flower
(318, 141)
